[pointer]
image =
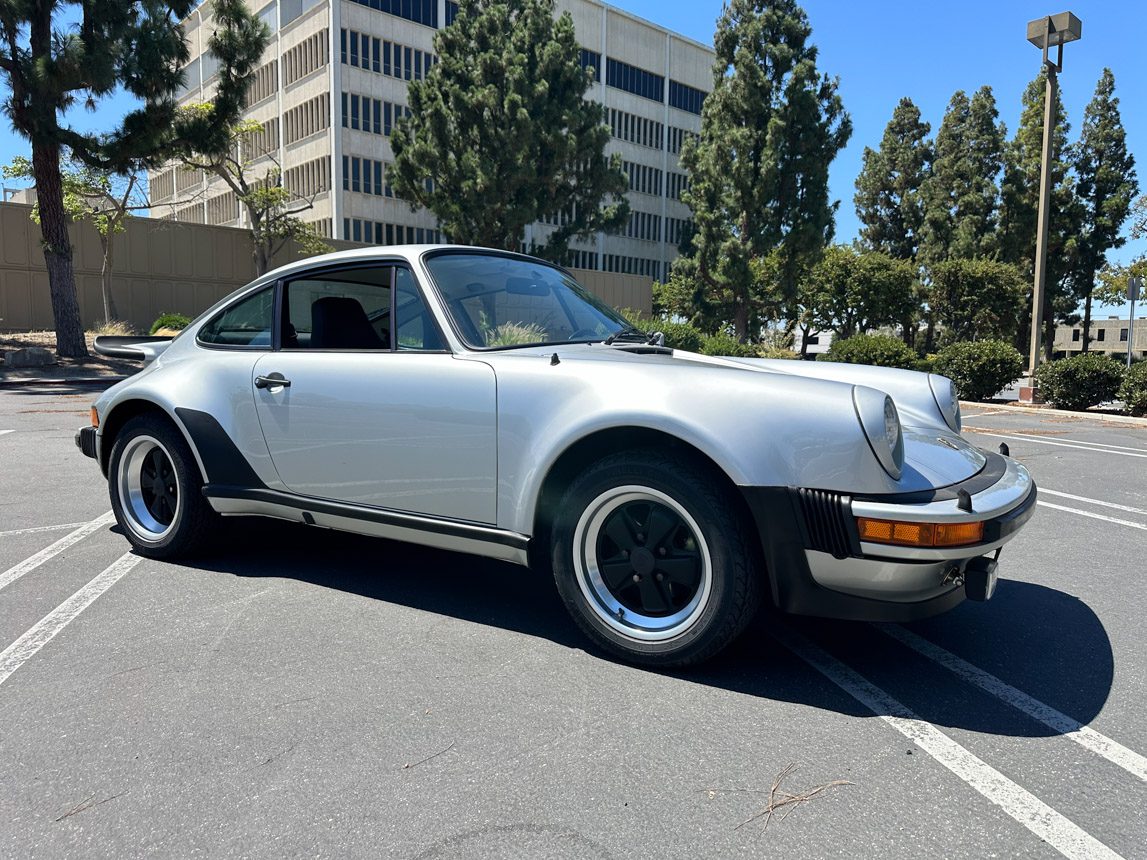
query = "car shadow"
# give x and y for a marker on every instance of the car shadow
(1042, 641)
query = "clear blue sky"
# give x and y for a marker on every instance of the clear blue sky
(882, 51)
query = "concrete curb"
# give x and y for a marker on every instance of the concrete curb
(1047, 410)
(21, 381)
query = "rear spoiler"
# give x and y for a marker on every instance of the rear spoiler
(143, 349)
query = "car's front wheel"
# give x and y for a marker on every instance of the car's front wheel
(155, 488)
(653, 560)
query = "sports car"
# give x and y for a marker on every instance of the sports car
(484, 402)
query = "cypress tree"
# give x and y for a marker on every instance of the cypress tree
(758, 172)
(136, 45)
(888, 197)
(501, 135)
(1107, 187)
(961, 194)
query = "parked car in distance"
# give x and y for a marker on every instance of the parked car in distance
(482, 401)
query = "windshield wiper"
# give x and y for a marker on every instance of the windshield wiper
(629, 334)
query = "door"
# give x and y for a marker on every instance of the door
(349, 417)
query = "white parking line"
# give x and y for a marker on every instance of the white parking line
(1106, 519)
(35, 529)
(44, 630)
(4, 432)
(1095, 447)
(29, 564)
(1045, 490)
(1053, 828)
(1074, 730)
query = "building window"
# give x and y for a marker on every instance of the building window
(1075, 335)
(1101, 335)
(1123, 334)
(813, 340)
(418, 11)
(634, 80)
(686, 98)
(451, 12)
(591, 60)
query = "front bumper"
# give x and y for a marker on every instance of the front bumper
(88, 442)
(819, 566)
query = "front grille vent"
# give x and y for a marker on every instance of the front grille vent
(826, 517)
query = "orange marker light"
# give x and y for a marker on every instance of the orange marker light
(95, 417)
(919, 534)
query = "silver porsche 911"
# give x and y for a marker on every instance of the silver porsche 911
(484, 402)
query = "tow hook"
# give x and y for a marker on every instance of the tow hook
(980, 575)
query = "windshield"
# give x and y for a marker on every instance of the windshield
(503, 302)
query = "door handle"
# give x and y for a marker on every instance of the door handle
(272, 380)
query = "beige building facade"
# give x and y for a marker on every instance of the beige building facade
(333, 82)
(1108, 336)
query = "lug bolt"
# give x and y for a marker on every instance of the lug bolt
(640, 537)
(661, 551)
(637, 577)
(660, 577)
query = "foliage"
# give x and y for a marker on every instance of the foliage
(1133, 390)
(99, 197)
(1080, 381)
(759, 169)
(725, 344)
(501, 136)
(117, 328)
(850, 292)
(54, 54)
(881, 350)
(979, 369)
(1107, 187)
(889, 202)
(253, 174)
(678, 335)
(1113, 281)
(961, 196)
(515, 334)
(976, 299)
(178, 322)
(766, 351)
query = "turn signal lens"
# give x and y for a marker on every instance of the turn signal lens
(919, 534)
(95, 417)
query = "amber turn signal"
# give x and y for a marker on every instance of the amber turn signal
(95, 417)
(919, 534)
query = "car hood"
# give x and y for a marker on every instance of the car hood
(934, 454)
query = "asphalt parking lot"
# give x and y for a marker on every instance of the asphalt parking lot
(305, 693)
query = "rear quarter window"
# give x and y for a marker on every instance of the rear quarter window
(246, 323)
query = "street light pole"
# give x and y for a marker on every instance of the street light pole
(1134, 285)
(1052, 30)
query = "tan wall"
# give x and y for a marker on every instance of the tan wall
(167, 266)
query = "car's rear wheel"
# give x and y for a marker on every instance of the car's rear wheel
(155, 488)
(653, 559)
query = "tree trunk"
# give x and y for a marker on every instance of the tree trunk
(1048, 334)
(741, 322)
(1087, 323)
(106, 279)
(58, 251)
(804, 340)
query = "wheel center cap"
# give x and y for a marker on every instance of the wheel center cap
(642, 561)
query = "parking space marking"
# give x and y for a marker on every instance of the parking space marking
(1093, 516)
(31, 563)
(1128, 508)
(5, 432)
(45, 630)
(36, 529)
(1062, 834)
(1095, 448)
(1074, 730)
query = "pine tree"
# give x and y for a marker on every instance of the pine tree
(888, 197)
(758, 173)
(501, 135)
(136, 45)
(961, 194)
(1019, 210)
(1107, 187)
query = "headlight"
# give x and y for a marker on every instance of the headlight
(881, 423)
(948, 401)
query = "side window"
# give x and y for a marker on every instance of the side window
(345, 310)
(247, 323)
(415, 325)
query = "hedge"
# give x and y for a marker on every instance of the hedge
(1079, 382)
(979, 369)
(881, 350)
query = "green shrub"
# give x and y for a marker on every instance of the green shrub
(1080, 381)
(1133, 391)
(170, 321)
(677, 335)
(764, 350)
(726, 344)
(980, 369)
(881, 350)
(927, 364)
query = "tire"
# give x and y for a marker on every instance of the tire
(155, 489)
(653, 559)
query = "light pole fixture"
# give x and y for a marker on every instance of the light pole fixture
(1134, 287)
(1045, 33)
